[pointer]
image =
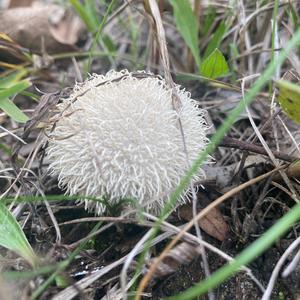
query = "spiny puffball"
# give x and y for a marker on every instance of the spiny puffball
(118, 136)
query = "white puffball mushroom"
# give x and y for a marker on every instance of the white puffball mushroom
(118, 136)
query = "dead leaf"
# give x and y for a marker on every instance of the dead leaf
(213, 223)
(65, 28)
(52, 25)
(183, 253)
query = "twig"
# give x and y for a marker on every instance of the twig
(229, 142)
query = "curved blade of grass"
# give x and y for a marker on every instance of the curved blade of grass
(13, 238)
(245, 257)
(8, 106)
(91, 10)
(215, 40)
(85, 14)
(31, 274)
(220, 133)
(209, 19)
(34, 199)
(13, 111)
(187, 25)
(11, 79)
(14, 89)
(99, 32)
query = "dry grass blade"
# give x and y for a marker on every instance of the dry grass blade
(161, 40)
(281, 261)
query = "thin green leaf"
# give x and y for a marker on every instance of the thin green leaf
(13, 238)
(293, 15)
(214, 65)
(108, 42)
(187, 25)
(8, 106)
(210, 17)
(91, 10)
(30, 274)
(11, 79)
(13, 111)
(14, 89)
(99, 32)
(33, 96)
(289, 99)
(84, 15)
(215, 40)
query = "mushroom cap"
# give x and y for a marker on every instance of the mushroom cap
(118, 136)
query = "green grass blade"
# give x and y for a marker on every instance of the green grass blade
(109, 44)
(13, 238)
(91, 10)
(11, 79)
(187, 25)
(99, 32)
(214, 65)
(293, 15)
(30, 274)
(14, 89)
(84, 15)
(35, 199)
(245, 257)
(209, 19)
(215, 40)
(13, 111)
(8, 106)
